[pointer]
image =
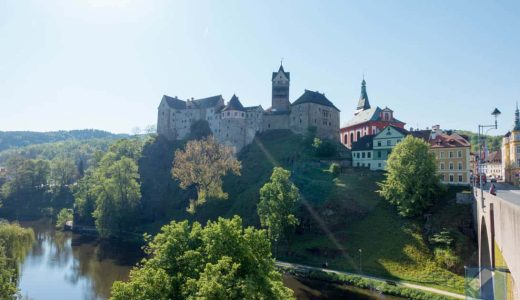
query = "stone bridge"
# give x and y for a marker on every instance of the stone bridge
(497, 220)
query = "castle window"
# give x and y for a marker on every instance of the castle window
(451, 178)
(363, 154)
(268, 125)
(450, 154)
(442, 166)
(300, 121)
(460, 178)
(389, 143)
(451, 166)
(369, 154)
(459, 153)
(379, 143)
(460, 166)
(242, 114)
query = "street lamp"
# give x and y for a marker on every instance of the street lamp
(360, 269)
(495, 114)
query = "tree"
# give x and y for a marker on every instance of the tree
(118, 197)
(202, 164)
(199, 130)
(278, 198)
(222, 260)
(411, 181)
(65, 215)
(63, 171)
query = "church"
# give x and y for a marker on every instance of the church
(236, 125)
(367, 120)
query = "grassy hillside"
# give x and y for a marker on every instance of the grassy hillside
(338, 216)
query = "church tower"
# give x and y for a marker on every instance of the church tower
(363, 103)
(280, 98)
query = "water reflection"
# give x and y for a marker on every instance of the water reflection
(63, 265)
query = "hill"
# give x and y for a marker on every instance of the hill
(15, 139)
(338, 216)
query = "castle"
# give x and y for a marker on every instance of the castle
(234, 125)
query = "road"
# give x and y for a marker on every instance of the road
(401, 283)
(506, 191)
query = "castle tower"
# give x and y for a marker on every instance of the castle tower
(363, 103)
(280, 98)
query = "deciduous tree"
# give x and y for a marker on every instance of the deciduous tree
(202, 164)
(278, 199)
(222, 260)
(411, 182)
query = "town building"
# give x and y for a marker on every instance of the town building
(367, 120)
(453, 155)
(492, 165)
(235, 125)
(511, 152)
(372, 151)
(451, 150)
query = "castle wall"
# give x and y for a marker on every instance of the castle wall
(324, 118)
(232, 130)
(275, 121)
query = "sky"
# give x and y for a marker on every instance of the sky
(105, 64)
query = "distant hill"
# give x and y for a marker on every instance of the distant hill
(16, 139)
(493, 143)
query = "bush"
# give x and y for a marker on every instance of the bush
(334, 169)
(446, 257)
(65, 215)
(324, 148)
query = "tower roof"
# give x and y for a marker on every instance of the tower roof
(363, 103)
(234, 104)
(517, 118)
(314, 97)
(287, 74)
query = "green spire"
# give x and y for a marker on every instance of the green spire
(363, 103)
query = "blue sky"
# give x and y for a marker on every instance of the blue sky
(106, 64)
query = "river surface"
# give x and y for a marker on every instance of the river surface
(67, 266)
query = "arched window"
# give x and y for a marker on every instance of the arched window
(358, 135)
(345, 139)
(351, 138)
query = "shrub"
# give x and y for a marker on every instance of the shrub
(446, 257)
(334, 169)
(66, 214)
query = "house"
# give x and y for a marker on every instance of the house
(372, 151)
(492, 165)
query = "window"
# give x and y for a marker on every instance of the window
(357, 164)
(442, 154)
(368, 165)
(442, 166)
(379, 154)
(451, 166)
(517, 149)
(379, 165)
(242, 114)
(369, 154)
(451, 178)
(460, 178)
(459, 154)
(442, 177)
(363, 154)
(227, 114)
(451, 154)
(236, 113)
(460, 166)
(398, 141)
(389, 143)
(379, 143)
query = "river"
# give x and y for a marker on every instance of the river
(68, 266)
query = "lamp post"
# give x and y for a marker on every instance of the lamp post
(495, 113)
(360, 269)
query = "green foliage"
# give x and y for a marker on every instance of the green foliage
(411, 182)
(13, 139)
(65, 215)
(15, 241)
(446, 257)
(118, 196)
(202, 164)
(63, 172)
(324, 148)
(277, 205)
(493, 143)
(335, 169)
(442, 238)
(219, 261)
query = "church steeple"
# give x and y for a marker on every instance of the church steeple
(363, 103)
(517, 114)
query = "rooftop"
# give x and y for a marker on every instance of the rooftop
(314, 97)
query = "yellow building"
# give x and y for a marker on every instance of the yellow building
(452, 152)
(511, 152)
